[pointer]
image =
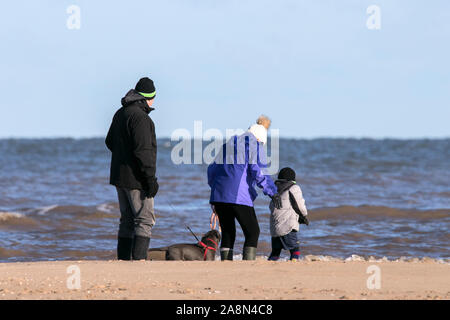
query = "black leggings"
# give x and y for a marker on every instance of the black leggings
(245, 215)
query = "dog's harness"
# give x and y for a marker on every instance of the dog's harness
(206, 247)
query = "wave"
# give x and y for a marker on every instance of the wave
(107, 208)
(11, 253)
(64, 231)
(353, 257)
(374, 212)
(44, 210)
(49, 215)
(5, 216)
(16, 220)
(99, 211)
(111, 210)
(365, 212)
(19, 255)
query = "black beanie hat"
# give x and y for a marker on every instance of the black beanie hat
(146, 87)
(287, 174)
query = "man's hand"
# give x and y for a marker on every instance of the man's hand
(152, 187)
(276, 201)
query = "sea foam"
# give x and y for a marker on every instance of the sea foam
(5, 215)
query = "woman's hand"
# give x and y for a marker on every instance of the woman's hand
(214, 220)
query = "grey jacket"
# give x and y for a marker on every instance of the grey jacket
(284, 220)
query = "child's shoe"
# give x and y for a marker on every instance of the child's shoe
(295, 255)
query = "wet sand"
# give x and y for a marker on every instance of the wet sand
(224, 280)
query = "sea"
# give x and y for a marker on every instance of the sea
(370, 198)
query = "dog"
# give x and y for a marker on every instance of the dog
(204, 250)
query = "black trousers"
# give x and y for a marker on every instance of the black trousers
(228, 213)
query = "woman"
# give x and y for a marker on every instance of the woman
(232, 178)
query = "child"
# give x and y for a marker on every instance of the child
(284, 222)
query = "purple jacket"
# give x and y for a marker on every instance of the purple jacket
(237, 169)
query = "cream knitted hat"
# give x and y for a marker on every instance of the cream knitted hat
(259, 131)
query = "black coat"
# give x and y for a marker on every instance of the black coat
(132, 141)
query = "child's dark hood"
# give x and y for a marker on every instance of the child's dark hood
(283, 185)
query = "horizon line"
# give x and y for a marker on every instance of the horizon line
(281, 137)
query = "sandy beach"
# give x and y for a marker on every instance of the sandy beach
(235, 280)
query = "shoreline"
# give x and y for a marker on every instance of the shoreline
(259, 279)
(238, 257)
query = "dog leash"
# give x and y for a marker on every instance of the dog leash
(173, 209)
(193, 233)
(214, 221)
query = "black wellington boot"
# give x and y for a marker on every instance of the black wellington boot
(140, 248)
(249, 253)
(124, 247)
(226, 254)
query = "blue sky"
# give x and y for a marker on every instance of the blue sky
(312, 66)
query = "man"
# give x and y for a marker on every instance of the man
(132, 141)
